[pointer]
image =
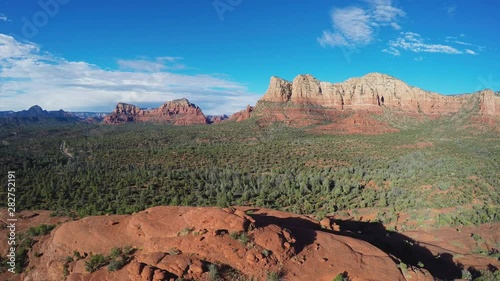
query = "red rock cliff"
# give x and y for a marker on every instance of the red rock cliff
(374, 91)
(178, 112)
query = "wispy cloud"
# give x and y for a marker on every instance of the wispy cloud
(414, 42)
(148, 65)
(356, 26)
(463, 43)
(30, 76)
(384, 13)
(352, 27)
(459, 41)
(470, 52)
(4, 17)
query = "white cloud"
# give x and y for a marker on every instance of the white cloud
(455, 40)
(28, 76)
(355, 26)
(147, 65)
(4, 17)
(463, 43)
(470, 52)
(395, 26)
(332, 39)
(385, 13)
(392, 51)
(414, 42)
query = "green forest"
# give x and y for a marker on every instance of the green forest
(94, 169)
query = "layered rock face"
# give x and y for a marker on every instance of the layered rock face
(374, 91)
(178, 112)
(489, 103)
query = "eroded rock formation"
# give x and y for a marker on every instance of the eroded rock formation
(242, 115)
(374, 91)
(178, 112)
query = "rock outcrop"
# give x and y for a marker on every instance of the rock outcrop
(279, 90)
(177, 112)
(489, 103)
(376, 91)
(242, 115)
(350, 106)
(183, 242)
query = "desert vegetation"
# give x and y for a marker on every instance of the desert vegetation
(116, 259)
(127, 168)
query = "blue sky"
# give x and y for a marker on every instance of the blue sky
(88, 55)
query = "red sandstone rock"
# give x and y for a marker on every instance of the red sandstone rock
(307, 101)
(242, 115)
(294, 244)
(326, 223)
(178, 112)
(154, 232)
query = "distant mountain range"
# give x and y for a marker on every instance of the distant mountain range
(302, 102)
(36, 114)
(86, 115)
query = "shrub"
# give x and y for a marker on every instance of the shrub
(115, 252)
(234, 235)
(185, 231)
(128, 250)
(466, 275)
(95, 262)
(272, 276)
(243, 238)
(476, 237)
(77, 255)
(403, 267)
(487, 275)
(116, 264)
(213, 272)
(65, 270)
(341, 277)
(40, 230)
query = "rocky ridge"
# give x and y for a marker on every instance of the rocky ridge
(350, 106)
(36, 114)
(242, 115)
(373, 91)
(177, 112)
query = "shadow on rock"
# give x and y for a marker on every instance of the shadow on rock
(302, 229)
(402, 247)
